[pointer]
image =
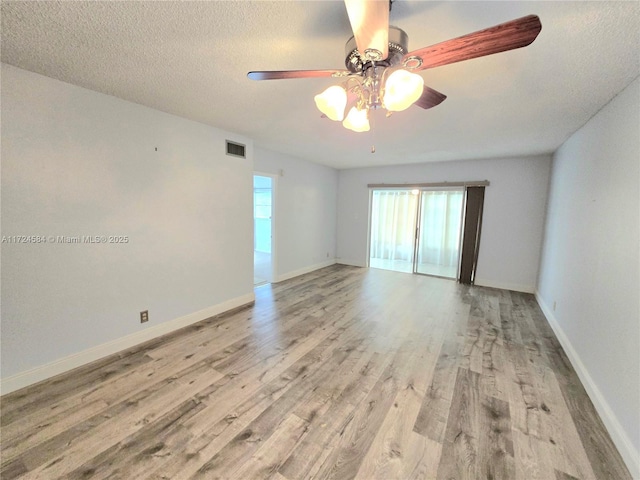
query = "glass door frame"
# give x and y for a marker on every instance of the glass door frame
(419, 190)
(418, 224)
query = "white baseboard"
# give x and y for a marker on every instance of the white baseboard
(481, 282)
(302, 271)
(620, 438)
(352, 263)
(43, 372)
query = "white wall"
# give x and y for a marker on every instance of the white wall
(76, 162)
(590, 268)
(513, 217)
(305, 212)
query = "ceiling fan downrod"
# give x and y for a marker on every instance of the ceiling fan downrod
(398, 48)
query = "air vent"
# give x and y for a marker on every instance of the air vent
(235, 149)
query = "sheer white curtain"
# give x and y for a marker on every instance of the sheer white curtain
(393, 218)
(441, 215)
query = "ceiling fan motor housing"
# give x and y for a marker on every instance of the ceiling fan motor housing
(398, 47)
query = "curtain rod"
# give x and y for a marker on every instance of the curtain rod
(480, 183)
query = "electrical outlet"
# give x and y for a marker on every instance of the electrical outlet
(144, 316)
(554, 306)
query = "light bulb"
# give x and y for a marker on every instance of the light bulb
(357, 120)
(332, 102)
(401, 90)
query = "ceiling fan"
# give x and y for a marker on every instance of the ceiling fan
(380, 69)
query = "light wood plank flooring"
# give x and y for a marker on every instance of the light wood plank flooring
(342, 373)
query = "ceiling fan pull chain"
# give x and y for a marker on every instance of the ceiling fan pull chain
(373, 130)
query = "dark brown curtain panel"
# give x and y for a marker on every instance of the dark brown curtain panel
(471, 234)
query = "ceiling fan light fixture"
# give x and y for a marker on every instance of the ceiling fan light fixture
(357, 120)
(380, 66)
(401, 90)
(332, 102)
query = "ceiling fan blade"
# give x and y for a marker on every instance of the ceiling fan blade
(500, 38)
(430, 98)
(370, 24)
(283, 74)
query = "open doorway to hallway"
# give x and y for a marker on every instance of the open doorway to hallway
(262, 229)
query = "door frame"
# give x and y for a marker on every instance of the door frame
(274, 230)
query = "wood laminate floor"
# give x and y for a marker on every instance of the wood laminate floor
(341, 373)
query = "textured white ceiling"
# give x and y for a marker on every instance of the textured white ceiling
(191, 59)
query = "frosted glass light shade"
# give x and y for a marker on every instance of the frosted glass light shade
(332, 102)
(357, 120)
(401, 90)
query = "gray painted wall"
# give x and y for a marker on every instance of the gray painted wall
(513, 215)
(76, 162)
(590, 268)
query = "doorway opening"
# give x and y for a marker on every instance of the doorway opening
(262, 230)
(417, 230)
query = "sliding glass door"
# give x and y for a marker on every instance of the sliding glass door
(393, 226)
(438, 238)
(416, 231)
